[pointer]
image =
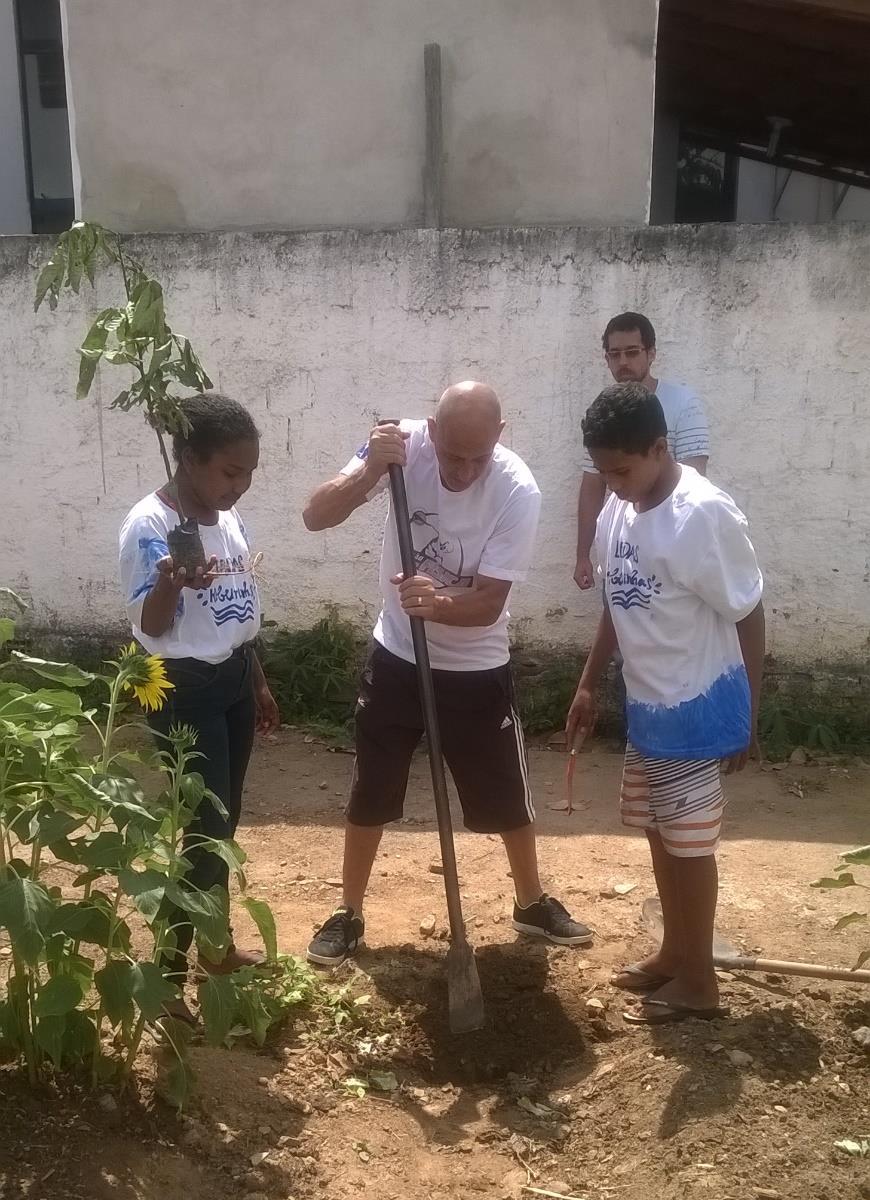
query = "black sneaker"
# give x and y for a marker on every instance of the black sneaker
(337, 939)
(549, 919)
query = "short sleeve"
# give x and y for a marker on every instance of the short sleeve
(603, 527)
(244, 529)
(359, 459)
(357, 463)
(142, 543)
(508, 552)
(691, 432)
(720, 562)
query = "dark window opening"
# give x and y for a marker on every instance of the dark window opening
(52, 83)
(706, 184)
(45, 116)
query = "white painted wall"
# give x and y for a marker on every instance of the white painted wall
(319, 333)
(14, 206)
(294, 114)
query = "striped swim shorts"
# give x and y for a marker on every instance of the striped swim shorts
(681, 799)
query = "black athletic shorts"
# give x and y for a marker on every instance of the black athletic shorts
(481, 737)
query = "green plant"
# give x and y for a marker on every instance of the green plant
(545, 696)
(85, 860)
(251, 1001)
(784, 726)
(843, 877)
(314, 673)
(7, 624)
(134, 335)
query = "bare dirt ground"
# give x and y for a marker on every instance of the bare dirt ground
(558, 1093)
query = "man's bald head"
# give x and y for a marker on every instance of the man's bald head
(465, 429)
(469, 402)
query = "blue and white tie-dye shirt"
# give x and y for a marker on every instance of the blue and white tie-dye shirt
(678, 578)
(209, 623)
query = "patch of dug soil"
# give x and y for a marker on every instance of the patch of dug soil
(530, 1025)
(557, 1093)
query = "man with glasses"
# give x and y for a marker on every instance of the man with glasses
(629, 343)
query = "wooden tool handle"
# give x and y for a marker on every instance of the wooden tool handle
(430, 712)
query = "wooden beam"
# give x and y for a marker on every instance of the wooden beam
(743, 26)
(729, 65)
(719, 139)
(847, 10)
(829, 10)
(847, 147)
(433, 172)
(755, 68)
(739, 127)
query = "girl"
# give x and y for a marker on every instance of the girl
(204, 627)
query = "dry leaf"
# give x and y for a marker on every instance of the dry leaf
(537, 1110)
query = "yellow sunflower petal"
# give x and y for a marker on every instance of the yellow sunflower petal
(151, 687)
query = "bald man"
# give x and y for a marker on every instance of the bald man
(474, 514)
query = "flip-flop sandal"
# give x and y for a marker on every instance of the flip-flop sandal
(642, 981)
(660, 1012)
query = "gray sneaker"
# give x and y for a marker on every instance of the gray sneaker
(337, 939)
(549, 919)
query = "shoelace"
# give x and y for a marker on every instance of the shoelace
(344, 921)
(555, 907)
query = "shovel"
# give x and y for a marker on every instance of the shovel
(727, 957)
(465, 999)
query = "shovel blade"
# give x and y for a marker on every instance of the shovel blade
(464, 995)
(651, 915)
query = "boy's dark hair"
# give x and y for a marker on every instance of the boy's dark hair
(627, 322)
(215, 421)
(624, 417)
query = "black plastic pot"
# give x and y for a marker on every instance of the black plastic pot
(185, 547)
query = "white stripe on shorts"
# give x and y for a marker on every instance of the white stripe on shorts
(680, 798)
(522, 755)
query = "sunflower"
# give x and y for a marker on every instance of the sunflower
(145, 676)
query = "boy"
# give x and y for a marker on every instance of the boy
(684, 608)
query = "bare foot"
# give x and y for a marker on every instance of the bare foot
(690, 990)
(649, 972)
(233, 960)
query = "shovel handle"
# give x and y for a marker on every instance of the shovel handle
(430, 712)
(728, 958)
(775, 966)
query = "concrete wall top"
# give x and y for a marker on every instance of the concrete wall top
(320, 333)
(293, 114)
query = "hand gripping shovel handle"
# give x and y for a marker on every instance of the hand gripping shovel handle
(464, 995)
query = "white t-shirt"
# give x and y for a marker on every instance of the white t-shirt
(677, 580)
(488, 529)
(211, 623)
(688, 432)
